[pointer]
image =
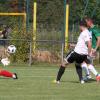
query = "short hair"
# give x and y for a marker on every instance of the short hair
(88, 19)
(83, 23)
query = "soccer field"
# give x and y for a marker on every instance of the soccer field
(35, 83)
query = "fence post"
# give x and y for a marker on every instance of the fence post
(30, 54)
(62, 51)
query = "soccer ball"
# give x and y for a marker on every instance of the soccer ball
(11, 49)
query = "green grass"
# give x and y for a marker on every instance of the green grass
(35, 83)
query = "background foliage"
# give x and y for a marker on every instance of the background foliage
(50, 20)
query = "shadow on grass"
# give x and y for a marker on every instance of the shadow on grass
(73, 81)
(70, 81)
(90, 81)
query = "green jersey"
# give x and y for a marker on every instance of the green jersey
(95, 33)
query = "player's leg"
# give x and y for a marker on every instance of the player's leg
(70, 58)
(79, 60)
(86, 70)
(6, 73)
(88, 61)
(92, 68)
(60, 72)
(79, 72)
(94, 71)
(63, 66)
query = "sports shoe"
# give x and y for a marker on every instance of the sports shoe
(15, 76)
(87, 77)
(55, 81)
(82, 81)
(98, 78)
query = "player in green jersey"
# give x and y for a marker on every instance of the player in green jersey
(95, 31)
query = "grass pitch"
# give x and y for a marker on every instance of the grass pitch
(35, 83)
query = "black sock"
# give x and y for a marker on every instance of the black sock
(60, 73)
(79, 71)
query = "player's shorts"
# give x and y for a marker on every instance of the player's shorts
(72, 56)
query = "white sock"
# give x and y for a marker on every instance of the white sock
(85, 68)
(92, 69)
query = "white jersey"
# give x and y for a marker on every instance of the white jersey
(90, 34)
(81, 46)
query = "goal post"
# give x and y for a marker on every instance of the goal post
(15, 14)
(66, 23)
(34, 23)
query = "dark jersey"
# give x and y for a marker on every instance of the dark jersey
(95, 33)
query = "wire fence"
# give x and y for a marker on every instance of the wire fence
(45, 51)
(48, 51)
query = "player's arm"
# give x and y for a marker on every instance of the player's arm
(0, 32)
(98, 43)
(88, 42)
(72, 45)
(89, 46)
(97, 35)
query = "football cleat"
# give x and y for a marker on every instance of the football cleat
(55, 81)
(98, 78)
(15, 76)
(87, 77)
(82, 81)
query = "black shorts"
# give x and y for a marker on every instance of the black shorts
(75, 57)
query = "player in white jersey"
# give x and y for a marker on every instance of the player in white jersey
(82, 49)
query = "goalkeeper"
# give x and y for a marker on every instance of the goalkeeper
(5, 61)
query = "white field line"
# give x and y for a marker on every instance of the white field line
(37, 76)
(26, 95)
(36, 69)
(42, 69)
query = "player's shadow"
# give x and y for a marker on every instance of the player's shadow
(90, 81)
(73, 81)
(68, 81)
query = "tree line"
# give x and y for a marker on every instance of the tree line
(51, 13)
